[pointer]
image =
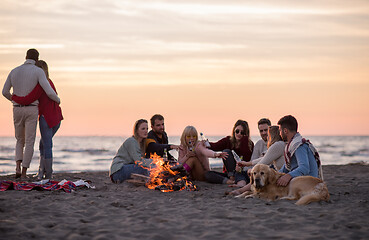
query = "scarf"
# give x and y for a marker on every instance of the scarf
(291, 148)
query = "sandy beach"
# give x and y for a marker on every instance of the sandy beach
(124, 211)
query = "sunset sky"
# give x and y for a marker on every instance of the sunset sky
(205, 63)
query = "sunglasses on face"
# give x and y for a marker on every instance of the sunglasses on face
(237, 131)
(188, 137)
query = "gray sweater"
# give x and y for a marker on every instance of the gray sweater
(274, 155)
(259, 149)
(24, 79)
(128, 153)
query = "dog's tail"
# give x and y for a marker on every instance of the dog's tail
(320, 193)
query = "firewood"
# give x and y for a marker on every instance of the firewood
(139, 176)
(138, 179)
(136, 182)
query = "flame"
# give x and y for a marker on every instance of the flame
(163, 178)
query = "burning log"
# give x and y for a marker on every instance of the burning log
(165, 177)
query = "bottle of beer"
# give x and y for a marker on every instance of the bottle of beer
(206, 141)
(165, 155)
(236, 157)
(190, 148)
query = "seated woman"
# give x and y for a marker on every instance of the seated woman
(273, 157)
(194, 156)
(239, 142)
(275, 154)
(130, 156)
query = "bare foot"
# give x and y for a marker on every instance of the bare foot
(24, 174)
(241, 183)
(24, 178)
(18, 171)
(233, 193)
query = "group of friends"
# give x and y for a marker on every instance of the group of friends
(281, 147)
(34, 99)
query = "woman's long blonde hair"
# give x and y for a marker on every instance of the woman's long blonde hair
(188, 131)
(273, 135)
(135, 134)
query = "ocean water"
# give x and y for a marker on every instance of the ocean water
(76, 154)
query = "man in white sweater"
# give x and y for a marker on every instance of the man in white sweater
(260, 147)
(23, 79)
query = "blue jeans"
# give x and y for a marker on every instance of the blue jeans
(216, 177)
(46, 141)
(125, 172)
(241, 176)
(229, 163)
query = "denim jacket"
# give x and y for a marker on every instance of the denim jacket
(303, 163)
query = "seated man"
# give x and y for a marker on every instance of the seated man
(261, 146)
(157, 139)
(301, 157)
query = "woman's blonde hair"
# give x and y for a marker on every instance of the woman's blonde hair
(135, 133)
(273, 135)
(188, 131)
(42, 64)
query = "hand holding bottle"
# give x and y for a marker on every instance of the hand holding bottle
(204, 140)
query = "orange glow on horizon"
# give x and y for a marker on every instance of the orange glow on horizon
(114, 63)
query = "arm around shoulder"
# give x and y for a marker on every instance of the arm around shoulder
(47, 87)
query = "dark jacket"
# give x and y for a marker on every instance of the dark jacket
(157, 145)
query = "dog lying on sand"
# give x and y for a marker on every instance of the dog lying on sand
(305, 189)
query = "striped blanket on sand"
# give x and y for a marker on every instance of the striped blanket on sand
(67, 186)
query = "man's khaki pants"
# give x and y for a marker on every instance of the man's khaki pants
(25, 124)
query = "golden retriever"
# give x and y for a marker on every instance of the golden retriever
(305, 189)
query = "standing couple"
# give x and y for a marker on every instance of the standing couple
(34, 96)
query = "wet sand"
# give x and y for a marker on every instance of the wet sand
(124, 211)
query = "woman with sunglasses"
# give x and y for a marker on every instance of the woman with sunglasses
(194, 156)
(240, 143)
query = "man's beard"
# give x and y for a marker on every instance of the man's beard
(284, 137)
(160, 132)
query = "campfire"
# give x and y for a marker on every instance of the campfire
(165, 177)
